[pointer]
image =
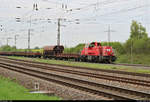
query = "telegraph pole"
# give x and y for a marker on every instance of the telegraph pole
(131, 51)
(28, 39)
(109, 31)
(29, 33)
(16, 40)
(7, 41)
(58, 35)
(35, 7)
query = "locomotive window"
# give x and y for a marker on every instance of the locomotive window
(98, 44)
(92, 45)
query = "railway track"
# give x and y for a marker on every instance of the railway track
(77, 67)
(122, 64)
(143, 83)
(107, 91)
(87, 86)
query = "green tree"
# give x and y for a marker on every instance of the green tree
(137, 31)
(76, 49)
(36, 47)
(8, 48)
(119, 48)
(138, 40)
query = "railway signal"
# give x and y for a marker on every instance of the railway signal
(35, 7)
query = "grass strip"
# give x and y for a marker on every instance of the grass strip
(10, 90)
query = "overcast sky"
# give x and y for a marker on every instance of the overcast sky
(84, 20)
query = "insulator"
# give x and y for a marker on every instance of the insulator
(65, 6)
(33, 6)
(36, 7)
(62, 5)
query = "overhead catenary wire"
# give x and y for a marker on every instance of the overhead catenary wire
(71, 17)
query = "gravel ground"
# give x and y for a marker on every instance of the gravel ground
(59, 90)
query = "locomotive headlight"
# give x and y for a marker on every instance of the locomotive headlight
(107, 49)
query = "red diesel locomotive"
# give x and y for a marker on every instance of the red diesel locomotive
(95, 52)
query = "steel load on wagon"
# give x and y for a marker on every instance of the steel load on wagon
(52, 50)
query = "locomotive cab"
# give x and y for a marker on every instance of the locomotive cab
(91, 52)
(108, 54)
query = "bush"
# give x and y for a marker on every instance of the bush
(76, 49)
(119, 47)
(7, 48)
(139, 46)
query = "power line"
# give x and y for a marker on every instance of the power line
(95, 4)
(122, 11)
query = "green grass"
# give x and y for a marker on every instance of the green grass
(137, 59)
(10, 90)
(91, 65)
